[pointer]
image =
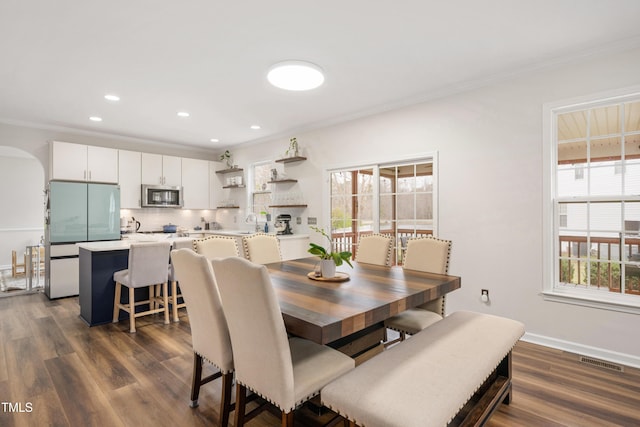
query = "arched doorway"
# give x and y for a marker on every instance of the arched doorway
(22, 187)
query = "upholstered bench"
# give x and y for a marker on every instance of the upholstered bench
(455, 372)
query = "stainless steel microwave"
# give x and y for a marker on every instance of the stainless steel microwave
(161, 196)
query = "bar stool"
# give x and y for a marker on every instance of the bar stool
(148, 267)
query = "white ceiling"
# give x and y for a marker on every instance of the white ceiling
(210, 57)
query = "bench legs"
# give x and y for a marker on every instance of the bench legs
(504, 370)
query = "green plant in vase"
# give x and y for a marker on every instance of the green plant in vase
(292, 151)
(329, 259)
(226, 157)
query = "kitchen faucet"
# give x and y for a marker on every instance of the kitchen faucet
(252, 217)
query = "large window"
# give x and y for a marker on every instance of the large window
(260, 191)
(596, 200)
(393, 199)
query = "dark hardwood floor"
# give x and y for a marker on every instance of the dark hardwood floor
(56, 371)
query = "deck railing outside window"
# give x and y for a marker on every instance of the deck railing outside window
(348, 241)
(598, 261)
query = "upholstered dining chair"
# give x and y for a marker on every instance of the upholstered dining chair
(285, 371)
(175, 297)
(424, 254)
(209, 333)
(216, 246)
(262, 248)
(374, 249)
(148, 267)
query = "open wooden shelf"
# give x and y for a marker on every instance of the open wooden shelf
(279, 181)
(228, 207)
(233, 186)
(291, 159)
(232, 170)
(287, 206)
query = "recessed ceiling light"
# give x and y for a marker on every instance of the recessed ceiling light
(183, 114)
(112, 97)
(295, 75)
(255, 127)
(214, 140)
(95, 119)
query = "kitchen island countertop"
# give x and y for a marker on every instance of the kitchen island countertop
(117, 245)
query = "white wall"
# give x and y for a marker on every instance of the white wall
(21, 217)
(489, 142)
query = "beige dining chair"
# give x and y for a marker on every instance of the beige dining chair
(209, 333)
(374, 249)
(285, 371)
(262, 248)
(176, 296)
(148, 267)
(216, 246)
(431, 255)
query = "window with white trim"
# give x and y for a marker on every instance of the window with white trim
(395, 199)
(596, 200)
(260, 190)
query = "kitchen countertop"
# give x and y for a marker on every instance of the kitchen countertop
(117, 245)
(125, 242)
(241, 233)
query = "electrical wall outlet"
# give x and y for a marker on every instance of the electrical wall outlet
(312, 220)
(298, 220)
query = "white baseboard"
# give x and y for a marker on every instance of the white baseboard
(583, 350)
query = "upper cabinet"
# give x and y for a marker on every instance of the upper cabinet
(195, 183)
(161, 170)
(78, 162)
(130, 178)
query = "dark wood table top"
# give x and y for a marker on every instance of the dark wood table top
(326, 311)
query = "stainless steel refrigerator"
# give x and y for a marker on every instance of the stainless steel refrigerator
(76, 212)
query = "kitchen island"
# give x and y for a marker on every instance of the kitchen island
(99, 260)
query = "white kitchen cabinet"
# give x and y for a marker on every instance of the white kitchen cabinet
(172, 170)
(195, 183)
(294, 246)
(130, 178)
(78, 162)
(161, 170)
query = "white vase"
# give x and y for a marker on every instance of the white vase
(328, 268)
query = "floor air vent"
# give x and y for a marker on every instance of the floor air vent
(601, 364)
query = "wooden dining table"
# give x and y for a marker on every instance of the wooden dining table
(326, 312)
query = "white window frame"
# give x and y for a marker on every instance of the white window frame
(375, 166)
(252, 190)
(551, 291)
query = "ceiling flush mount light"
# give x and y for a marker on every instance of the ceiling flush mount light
(214, 140)
(95, 119)
(295, 75)
(183, 114)
(111, 97)
(255, 127)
